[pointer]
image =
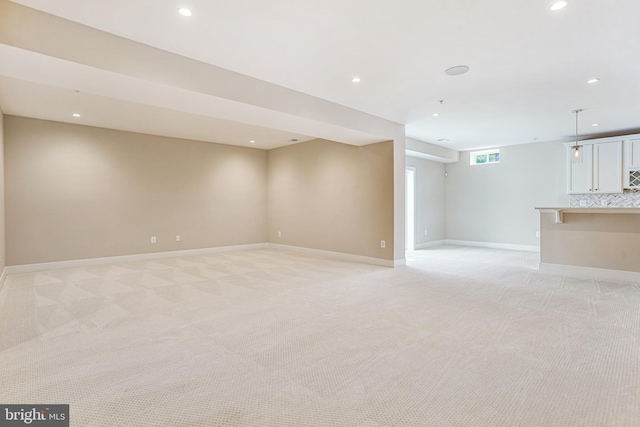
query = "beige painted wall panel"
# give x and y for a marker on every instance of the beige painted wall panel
(77, 192)
(330, 196)
(430, 200)
(2, 205)
(609, 241)
(495, 203)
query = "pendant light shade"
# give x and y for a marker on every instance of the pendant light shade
(577, 148)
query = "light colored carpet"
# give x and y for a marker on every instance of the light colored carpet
(460, 337)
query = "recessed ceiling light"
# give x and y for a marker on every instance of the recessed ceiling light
(355, 80)
(252, 142)
(559, 5)
(593, 80)
(443, 140)
(293, 140)
(435, 114)
(184, 11)
(457, 70)
(76, 115)
(595, 124)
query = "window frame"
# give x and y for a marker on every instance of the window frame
(474, 155)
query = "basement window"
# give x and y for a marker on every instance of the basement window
(485, 157)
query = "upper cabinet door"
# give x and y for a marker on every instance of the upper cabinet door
(607, 167)
(632, 153)
(580, 172)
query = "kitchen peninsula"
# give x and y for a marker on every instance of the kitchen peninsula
(599, 241)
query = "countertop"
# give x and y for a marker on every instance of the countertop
(559, 211)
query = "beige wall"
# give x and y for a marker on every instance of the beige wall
(430, 200)
(77, 192)
(2, 225)
(330, 196)
(495, 203)
(609, 241)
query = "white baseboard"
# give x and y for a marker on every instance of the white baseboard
(31, 268)
(591, 272)
(430, 244)
(339, 255)
(399, 262)
(493, 245)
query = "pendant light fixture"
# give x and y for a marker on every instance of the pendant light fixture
(577, 152)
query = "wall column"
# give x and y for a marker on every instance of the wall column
(399, 166)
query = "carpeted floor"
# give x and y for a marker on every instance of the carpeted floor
(459, 337)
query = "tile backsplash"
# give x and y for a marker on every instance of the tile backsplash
(629, 199)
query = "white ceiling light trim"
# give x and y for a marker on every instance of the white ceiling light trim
(593, 80)
(559, 5)
(185, 12)
(457, 70)
(355, 80)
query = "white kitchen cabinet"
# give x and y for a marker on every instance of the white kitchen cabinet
(607, 167)
(632, 152)
(599, 171)
(632, 162)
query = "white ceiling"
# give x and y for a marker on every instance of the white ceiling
(529, 67)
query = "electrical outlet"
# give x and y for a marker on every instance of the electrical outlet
(604, 203)
(153, 239)
(537, 234)
(383, 244)
(279, 233)
(425, 232)
(583, 203)
(177, 237)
